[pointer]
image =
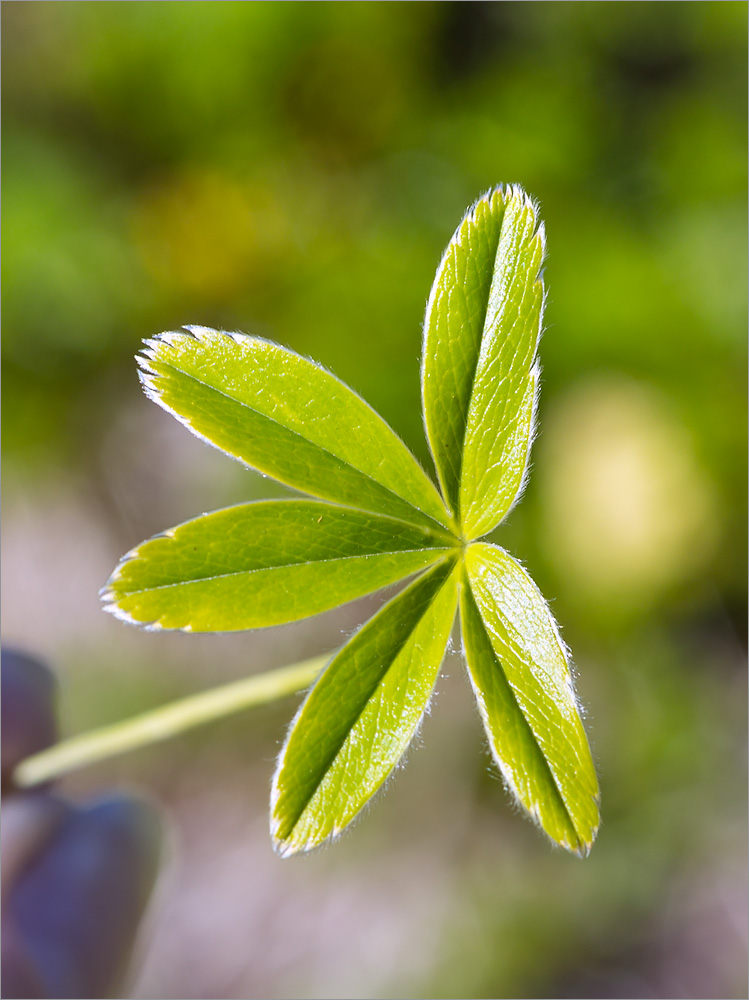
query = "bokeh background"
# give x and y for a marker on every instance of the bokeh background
(295, 170)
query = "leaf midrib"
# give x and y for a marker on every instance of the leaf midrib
(505, 423)
(294, 565)
(459, 512)
(462, 515)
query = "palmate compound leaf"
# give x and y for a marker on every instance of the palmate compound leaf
(263, 564)
(362, 713)
(479, 369)
(521, 677)
(290, 418)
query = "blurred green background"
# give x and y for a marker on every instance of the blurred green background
(295, 170)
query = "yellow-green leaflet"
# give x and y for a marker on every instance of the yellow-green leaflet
(265, 563)
(361, 715)
(519, 670)
(479, 371)
(289, 418)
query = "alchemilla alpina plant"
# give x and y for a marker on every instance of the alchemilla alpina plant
(371, 518)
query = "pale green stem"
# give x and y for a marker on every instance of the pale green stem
(162, 723)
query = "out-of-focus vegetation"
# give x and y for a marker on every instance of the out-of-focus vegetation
(295, 170)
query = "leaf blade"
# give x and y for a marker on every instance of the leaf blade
(501, 412)
(453, 327)
(519, 671)
(288, 417)
(361, 715)
(264, 563)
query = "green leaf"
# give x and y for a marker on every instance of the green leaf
(263, 564)
(479, 374)
(379, 520)
(499, 428)
(453, 326)
(523, 684)
(361, 715)
(286, 416)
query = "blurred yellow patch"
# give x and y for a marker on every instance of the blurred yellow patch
(627, 509)
(204, 233)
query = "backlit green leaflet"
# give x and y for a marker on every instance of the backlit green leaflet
(376, 518)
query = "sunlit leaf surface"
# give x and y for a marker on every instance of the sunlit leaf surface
(519, 670)
(453, 326)
(263, 564)
(479, 374)
(379, 520)
(289, 418)
(361, 715)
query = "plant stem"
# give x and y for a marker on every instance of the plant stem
(162, 723)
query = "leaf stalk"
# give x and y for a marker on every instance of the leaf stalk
(164, 722)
